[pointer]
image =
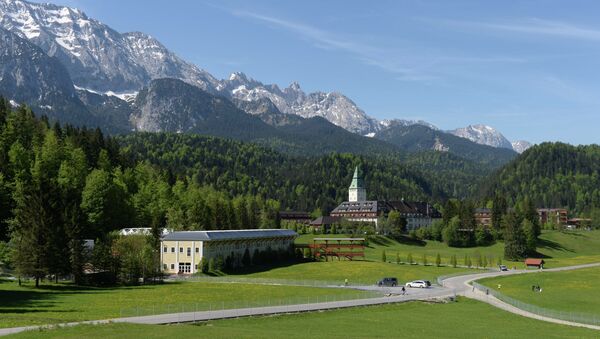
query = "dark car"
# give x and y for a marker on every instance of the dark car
(393, 282)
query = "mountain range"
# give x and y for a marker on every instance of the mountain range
(78, 70)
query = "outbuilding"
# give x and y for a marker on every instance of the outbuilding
(534, 263)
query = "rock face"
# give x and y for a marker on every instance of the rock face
(484, 135)
(28, 75)
(96, 56)
(333, 106)
(520, 146)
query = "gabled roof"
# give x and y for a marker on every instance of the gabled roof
(534, 262)
(228, 235)
(325, 220)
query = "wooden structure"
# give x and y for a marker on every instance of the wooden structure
(537, 263)
(348, 248)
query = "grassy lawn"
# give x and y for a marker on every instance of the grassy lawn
(463, 319)
(558, 248)
(357, 271)
(571, 291)
(56, 303)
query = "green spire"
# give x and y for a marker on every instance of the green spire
(357, 181)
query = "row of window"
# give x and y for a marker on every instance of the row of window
(189, 250)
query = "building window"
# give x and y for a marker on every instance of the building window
(197, 249)
(189, 251)
(172, 266)
(165, 249)
(196, 266)
(180, 249)
(172, 249)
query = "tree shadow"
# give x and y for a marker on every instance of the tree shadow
(404, 240)
(552, 245)
(264, 267)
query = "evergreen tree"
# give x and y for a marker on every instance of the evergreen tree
(438, 260)
(383, 256)
(409, 258)
(515, 246)
(424, 259)
(529, 232)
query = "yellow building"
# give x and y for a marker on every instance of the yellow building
(182, 252)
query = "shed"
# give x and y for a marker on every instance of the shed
(537, 263)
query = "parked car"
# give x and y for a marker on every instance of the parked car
(418, 284)
(393, 282)
(503, 268)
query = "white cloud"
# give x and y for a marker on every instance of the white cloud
(534, 26)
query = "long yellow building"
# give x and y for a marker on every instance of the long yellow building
(182, 252)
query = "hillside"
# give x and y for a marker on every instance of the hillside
(416, 138)
(552, 175)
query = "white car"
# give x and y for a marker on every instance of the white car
(418, 284)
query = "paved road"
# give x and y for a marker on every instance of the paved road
(460, 285)
(453, 286)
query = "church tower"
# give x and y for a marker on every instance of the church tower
(357, 191)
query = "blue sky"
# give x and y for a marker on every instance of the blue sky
(529, 68)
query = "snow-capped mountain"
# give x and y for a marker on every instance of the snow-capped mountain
(96, 56)
(484, 135)
(521, 146)
(333, 106)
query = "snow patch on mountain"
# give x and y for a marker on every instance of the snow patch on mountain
(484, 135)
(521, 146)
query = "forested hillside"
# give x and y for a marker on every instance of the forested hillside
(303, 183)
(551, 175)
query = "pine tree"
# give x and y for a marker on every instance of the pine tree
(383, 256)
(438, 260)
(454, 261)
(515, 243)
(424, 259)
(409, 258)
(484, 262)
(397, 257)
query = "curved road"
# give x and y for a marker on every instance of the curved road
(458, 285)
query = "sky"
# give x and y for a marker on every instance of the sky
(531, 69)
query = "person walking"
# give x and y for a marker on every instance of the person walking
(403, 290)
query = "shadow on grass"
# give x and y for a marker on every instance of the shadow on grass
(552, 245)
(404, 240)
(264, 268)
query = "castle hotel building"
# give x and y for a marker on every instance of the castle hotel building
(359, 209)
(182, 252)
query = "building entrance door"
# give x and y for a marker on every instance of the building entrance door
(185, 267)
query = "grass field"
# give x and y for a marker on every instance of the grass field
(57, 303)
(570, 291)
(558, 249)
(463, 319)
(366, 272)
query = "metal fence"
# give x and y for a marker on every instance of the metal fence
(154, 309)
(584, 318)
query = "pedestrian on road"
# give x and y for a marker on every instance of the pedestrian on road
(403, 290)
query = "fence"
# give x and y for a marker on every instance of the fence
(155, 309)
(275, 281)
(577, 317)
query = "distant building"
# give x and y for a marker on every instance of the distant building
(325, 222)
(297, 217)
(359, 209)
(557, 216)
(140, 231)
(483, 217)
(181, 252)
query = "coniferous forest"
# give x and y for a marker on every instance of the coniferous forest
(62, 184)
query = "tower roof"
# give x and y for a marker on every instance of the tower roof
(357, 181)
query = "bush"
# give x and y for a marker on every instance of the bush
(204, 265)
